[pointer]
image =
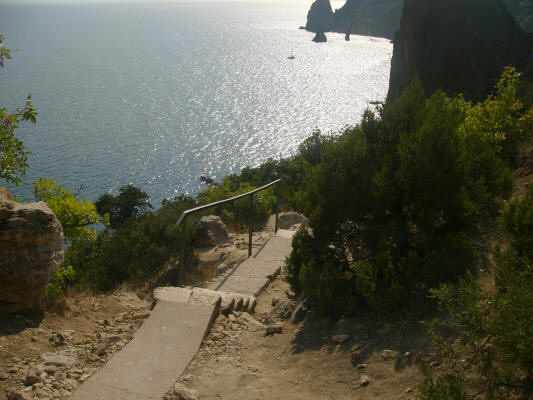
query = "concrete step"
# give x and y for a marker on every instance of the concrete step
(229, 302)
(148, 366)
(253, 275)
(160, 351)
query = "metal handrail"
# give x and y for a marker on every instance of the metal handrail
(182, 220)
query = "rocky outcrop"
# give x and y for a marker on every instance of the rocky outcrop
(211, 232)
(320, 37)
(361, 17)
(382, 17)
(320, 17)
(369, 17)
(461, 46)
(31, 250)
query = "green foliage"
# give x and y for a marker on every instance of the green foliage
(76, 216)
(237, 214)
(490, 352)
(292, 171)
(394, 202)
(57, 287)
(131, 202)
(311, 148)
(495, 120)
(13, 158)
(136, 251)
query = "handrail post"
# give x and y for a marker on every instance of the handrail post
(182, 221)
(277, 209)
(251, 225)
(182, 251)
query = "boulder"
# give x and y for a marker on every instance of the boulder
(31, 250)
(211, 232)
(287, 219)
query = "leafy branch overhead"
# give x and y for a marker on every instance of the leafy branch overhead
(13, 157)
(76, 216)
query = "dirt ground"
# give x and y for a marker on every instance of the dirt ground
(77, 342)
(357, 358)
(48, 356)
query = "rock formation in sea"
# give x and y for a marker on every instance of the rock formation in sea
(382, 17)
(461, 46)
(31, 250)
(360, 17)
(320, 17)
(320, 37)
(369, 17)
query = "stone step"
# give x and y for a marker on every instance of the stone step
(160, 351)
(229, 302)
(168, 340)
(254, 274)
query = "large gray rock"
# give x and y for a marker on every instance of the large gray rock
(31, 250)
(211, 232)
(287, 219)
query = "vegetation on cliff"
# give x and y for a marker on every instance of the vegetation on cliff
(13, 157)
(489, 350)
(399, 207)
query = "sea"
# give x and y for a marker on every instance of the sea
(157, 94)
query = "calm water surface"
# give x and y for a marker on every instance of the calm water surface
(157, 94)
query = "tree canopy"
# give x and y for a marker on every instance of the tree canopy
(131, 202)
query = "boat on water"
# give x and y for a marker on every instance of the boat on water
(291, 57)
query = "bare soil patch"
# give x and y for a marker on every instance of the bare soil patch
(75, 344)
(357, 358)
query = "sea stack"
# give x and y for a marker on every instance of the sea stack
(320, 37)
(320, 17)
(460, 46)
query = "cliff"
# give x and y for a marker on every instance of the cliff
(361, 17)
(369, 17)
(382, 17)
(460, 46)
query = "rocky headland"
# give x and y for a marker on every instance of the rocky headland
(361, 17)
(382, 17)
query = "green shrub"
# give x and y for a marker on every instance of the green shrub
(394, 203)
(490, 352)
(237, 214)
(136, 251)
(131, 202)
(57, 288)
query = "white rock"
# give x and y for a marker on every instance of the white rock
(340, 338)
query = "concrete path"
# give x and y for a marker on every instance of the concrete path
(148, 366)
